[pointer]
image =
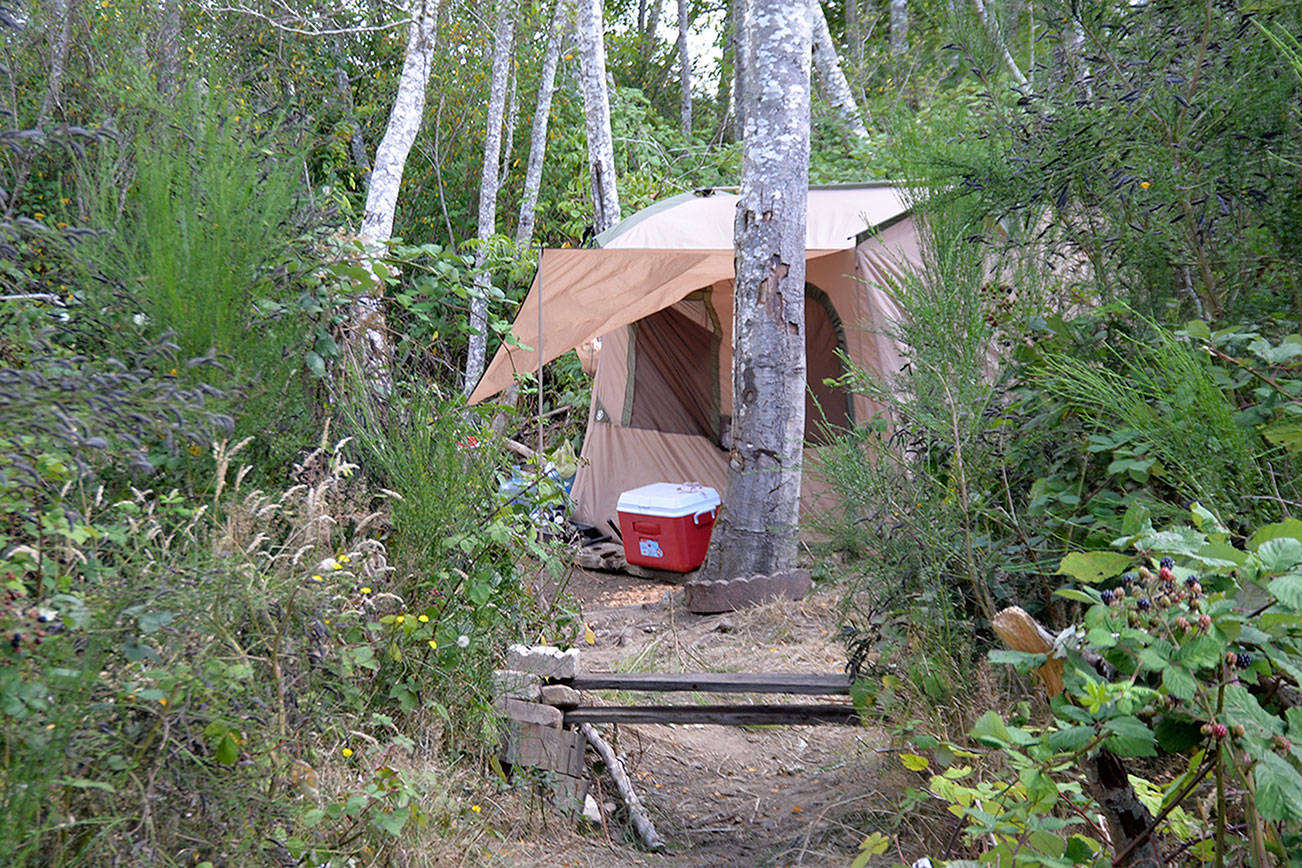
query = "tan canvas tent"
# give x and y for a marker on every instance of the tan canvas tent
(658, 294)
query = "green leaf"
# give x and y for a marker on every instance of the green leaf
(1178, 682)
(1196, 328)
(1091, 567)
(315, 363)
(1205, 520)
(313, 816)
(1290, 528)
(1070, 739)
(991, 731)
(1130, 737)
(152, 622)
(1286, 433)
(86, 784)
(1085, 595)
(1177, 734)
(1242, 707)
(1279, 789)
(1220, 554)
(1278, 555)
(392, 823)
(1288, 590)
(227, 750)
(1023, 660)
(913, 762)
(1177, 541)
(1200, 652)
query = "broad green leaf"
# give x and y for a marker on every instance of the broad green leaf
(227, 750)
(1242, 707)
(1200, 652)
(315, 363)
(1023, 660)
(1279, 789)
(313, 816)
(991, 730)
(1092, 567)
(1278, 555)
(913, 762)
(1070, 739)
(1286, 433)
(1220, 554)
(1177, 734)
(152, 622)
(392, 823)
(1177, 541)
(1205, 520)
(1178, 682)
(1130, 737)
(1288, 590)
(1288, 528)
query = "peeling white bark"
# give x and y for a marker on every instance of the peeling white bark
(367, 338)
(489, 182)
(835, 87)
(596, 109)
(538, 136)
(757, 530)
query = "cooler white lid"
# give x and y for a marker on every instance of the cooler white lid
(669, 499)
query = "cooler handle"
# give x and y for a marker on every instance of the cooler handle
(647, 528)
(711, 512)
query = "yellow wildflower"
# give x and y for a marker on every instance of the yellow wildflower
(347, 752)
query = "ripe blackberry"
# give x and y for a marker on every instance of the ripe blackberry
(1243, 660)
(1167, 563)
(1107, 596)
(1190, 581)
(1144, 604)
(1128, 579)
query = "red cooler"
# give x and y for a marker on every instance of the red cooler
(666, 525)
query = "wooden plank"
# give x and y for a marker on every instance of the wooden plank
(809, 684)
(723, 715)
(542, 747)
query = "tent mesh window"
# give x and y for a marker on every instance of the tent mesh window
(674, 358)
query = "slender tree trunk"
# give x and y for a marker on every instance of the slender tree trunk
(169, 48)
(991, 24)
(684, 75)
(366, 338)
(757, 529)
(835, 86)
(60, 14)
(538, 136)
(596, 109)
(488, 186)
(854, 31)
(740, 10)
(508, 127)
(899, 27)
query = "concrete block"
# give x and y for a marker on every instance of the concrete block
(560, 695)
(728, 595)
(529, 712)
(545, 661)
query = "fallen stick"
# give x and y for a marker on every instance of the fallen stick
(646, 830)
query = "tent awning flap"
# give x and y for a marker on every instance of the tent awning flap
(589, 293)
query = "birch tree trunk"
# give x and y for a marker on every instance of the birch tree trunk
(757, 529)
(991, 24)
(899, 26)
(508, 126)
(538, 135)
(488, 186)
(836, 88)
(684, 75)
(366, 339)
(596, 110)
(740, 10)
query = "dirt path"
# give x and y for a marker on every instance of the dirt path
(719, 796)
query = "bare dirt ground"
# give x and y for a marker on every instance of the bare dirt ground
(719, 796)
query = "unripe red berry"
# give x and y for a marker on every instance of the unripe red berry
(1219, 730)
(1164, 574)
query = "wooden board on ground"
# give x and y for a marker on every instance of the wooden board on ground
(809, 684)
(722, 715)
